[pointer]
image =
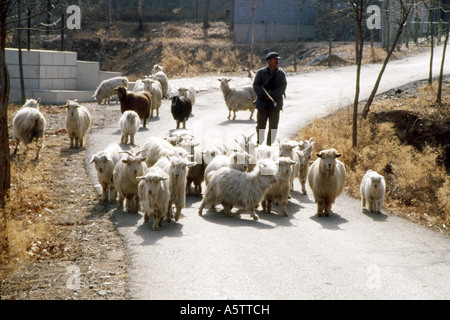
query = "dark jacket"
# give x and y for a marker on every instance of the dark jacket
(276, 87)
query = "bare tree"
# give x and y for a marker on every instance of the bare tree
(441, 72)
(359, 7)
(253, 7)
(404, 14)
(206, 14)
(300, 9)
(8, 18)
(330, 36)
(140, 14)
(5, 178)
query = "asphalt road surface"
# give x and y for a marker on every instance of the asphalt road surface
(350, 255)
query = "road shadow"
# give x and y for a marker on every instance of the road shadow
(300, 197)
(237, 121)
(332, 222)
(122, 218)
(150, 236)
(68, 151)
(245, 220)
(374, 215)
(152, 119)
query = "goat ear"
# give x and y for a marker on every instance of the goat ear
(319, 155)
(338, 155)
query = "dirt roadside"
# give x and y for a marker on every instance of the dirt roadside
(85, 259)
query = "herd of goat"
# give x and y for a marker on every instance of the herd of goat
(156, 177)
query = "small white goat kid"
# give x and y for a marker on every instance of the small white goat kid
(373, 189)
(129, 124)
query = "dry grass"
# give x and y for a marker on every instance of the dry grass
(418, 188)
(179, 61)
(30, 201)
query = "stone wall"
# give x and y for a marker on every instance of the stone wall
(54, 76)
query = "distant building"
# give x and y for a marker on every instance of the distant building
(275, 20)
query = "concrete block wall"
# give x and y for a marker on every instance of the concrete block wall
(54, 76)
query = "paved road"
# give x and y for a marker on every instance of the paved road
(350, 255)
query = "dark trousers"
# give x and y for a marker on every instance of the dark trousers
(273, 116)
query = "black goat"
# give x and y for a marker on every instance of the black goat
(181, 109)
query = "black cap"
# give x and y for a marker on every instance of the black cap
(272, 55)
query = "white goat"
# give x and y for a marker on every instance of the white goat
(279, 191)
(28, 124)
(129, 124)
(105, 90)
(287, 149)
(78, 121)
(158, 74)
(154, 195)
(307, 147)
(250, 147)
(242, 189)
(212, 148)
(155, 148)
(373, 189)
(176, 167)
(125, 174)
(234, 159)
(326, 178)
(188, 93)
(237, 98)
(155, 88)
(105, 162)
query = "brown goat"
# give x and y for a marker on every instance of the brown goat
(141, 102)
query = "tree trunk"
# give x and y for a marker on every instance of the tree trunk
(359, 52)
(206, 14)
(330, 36)
(380, 75)
(19, 47)
(140, 14)
(5, 179)
(252, 49)
(430, 73)
(300, 9)
(441, 72)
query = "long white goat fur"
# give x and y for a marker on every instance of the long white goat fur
(279, 191)
(373, 189)
(234, 188)
(105, 162)
(29, 123)
(78, 121)
(105, 90)
(234, 159)
(176, 167)
(158, 74)
(326, 178)
(129, 124)
(237, 98)
(154, 195)
(125, 175)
